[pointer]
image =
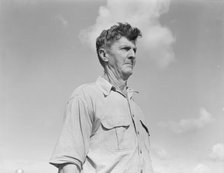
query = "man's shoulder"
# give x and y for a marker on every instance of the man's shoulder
(85, 90)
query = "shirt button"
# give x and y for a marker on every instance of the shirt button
(138, 132)
(140, 151)
(133, 115)
(141, 171)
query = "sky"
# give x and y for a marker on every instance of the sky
(47, 50)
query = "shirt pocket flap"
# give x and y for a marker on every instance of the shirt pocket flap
(114, 123)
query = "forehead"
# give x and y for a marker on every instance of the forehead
(123, 41)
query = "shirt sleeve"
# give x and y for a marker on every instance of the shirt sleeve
(73, 143)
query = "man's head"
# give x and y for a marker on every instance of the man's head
(116, 48)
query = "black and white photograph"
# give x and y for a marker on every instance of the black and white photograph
(111, 86)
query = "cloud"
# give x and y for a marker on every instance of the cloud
(157, 40)
(185, 125)
(178, 165)
(159, 152)
(217, 153)
(19, 170)
(62, 20)
(164, 162)
(201, 168)
(171, 166)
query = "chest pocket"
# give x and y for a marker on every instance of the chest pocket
(117, 133)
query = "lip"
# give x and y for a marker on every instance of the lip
(129, 64)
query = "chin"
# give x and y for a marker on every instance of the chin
(127, 74)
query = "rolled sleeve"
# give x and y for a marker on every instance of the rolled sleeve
(73, 143)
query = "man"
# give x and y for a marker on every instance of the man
(104, 130)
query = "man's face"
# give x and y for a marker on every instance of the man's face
(122, 57)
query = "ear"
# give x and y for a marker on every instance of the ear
(103, 54)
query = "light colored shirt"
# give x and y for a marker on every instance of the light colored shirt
(103, 132)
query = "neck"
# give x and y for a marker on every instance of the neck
(119, 83)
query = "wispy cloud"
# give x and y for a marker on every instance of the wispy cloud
(201, 168)
(185, 125)
(157, 39)
(178, 165)
(217, 153)
(19, 170)
(184, 165)
(159, 152)
(171, 166)
(61, 20)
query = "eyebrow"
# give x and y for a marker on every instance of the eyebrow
(129, 47)
(125, 45)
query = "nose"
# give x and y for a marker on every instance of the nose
(132, 54)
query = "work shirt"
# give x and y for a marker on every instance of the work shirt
(103, 132)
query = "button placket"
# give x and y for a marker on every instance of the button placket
(131, 114)
(140, 151)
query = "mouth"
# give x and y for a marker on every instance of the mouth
(130, 64)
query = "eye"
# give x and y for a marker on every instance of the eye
(126, 48)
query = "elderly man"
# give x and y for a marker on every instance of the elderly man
(104, 130)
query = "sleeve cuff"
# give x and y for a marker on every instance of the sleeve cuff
(58, 162)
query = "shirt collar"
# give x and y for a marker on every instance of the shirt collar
(106, 87)
(131, 92)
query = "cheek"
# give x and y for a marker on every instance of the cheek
(119, 61)
(115, 63)
(112, 61)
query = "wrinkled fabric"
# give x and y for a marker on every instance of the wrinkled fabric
(103, 132)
